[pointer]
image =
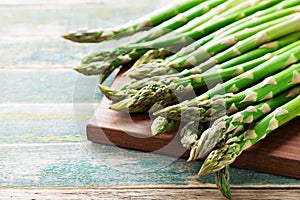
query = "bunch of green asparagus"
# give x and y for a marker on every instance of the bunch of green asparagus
(228, 69)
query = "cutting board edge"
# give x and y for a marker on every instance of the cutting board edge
(101, 135)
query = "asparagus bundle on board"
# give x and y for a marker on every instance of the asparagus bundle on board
(226, 72)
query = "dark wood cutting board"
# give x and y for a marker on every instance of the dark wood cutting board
(278, 153)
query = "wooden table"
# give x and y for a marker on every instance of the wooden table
(45, 106)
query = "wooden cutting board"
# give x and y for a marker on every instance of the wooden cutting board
(278, 153)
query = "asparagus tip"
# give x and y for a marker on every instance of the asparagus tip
(220, 158)
(203, 171)
(77, 68)
(107, 91)
(65, 36)
(71, 36)
(162, 125)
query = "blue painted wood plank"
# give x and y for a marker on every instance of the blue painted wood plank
(90, 165)
(43, 123)
(41, 52)
(48, 86)
(75, 2)
(35, 40)
(56, 17)
(48, 52)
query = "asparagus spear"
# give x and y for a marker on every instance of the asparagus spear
(171, 44)
(227, 127)
(227, 154)
(132, 27)
(246, 45)
(105, 68)
(222, 181)
(188, 109)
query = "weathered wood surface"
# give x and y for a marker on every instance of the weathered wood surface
(163, 194)
(54, 17)
(45, 106)
(47, 86)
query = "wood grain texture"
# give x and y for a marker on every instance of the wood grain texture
(55, 17)
(43, 123)
(89, 165)
(41, 51)
(164, 194)
(47, 86)
(279, 153)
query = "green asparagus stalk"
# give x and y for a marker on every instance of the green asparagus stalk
(227, 154)
(104, 69)
(227, 127)
(150, 20)
(223, 182)
(263, 50)
(214, 75)
(189, 108)
(171, 44)
(246, 45)
(269, 34)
